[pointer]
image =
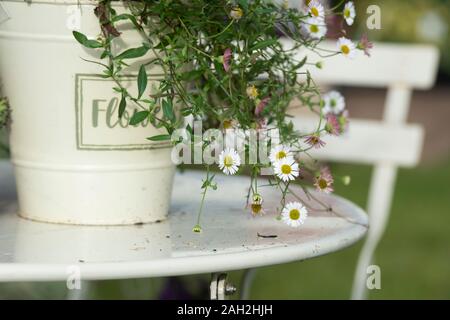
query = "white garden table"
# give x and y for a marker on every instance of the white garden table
(231, 239)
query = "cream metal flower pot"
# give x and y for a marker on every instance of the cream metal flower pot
(75, 161)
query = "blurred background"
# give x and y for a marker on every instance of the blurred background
(414, 254)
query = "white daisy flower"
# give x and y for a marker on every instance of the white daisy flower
(315, 28)
(279, 152)
(286, 169)
(229, 161)
(294, 214)
(346, 47)
(316, 10)
(333, 103)
(349, 13)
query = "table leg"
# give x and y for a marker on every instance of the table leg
(79, 294)
(246, 284)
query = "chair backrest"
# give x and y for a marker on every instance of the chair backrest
(386, 144)
(399, 69)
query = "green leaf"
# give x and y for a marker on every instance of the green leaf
(168, 109)
(191, 75)
(161, 137)
(103, 55)
(243, 4)
(142, 81)
(122, 106)
(186, 111)
(133, 53)
(138, 117)
(264, 44)
(82, 39)
(126, 16)
(301, 63)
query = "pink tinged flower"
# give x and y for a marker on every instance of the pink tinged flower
(261, 128)
(324, 182)
(326, 172)
(227, 59)
(333, 126)
(315, 141)
(365, 45)
(261, 106)
(261, 124)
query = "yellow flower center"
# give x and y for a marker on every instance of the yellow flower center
(286, 169)
(314, 11)
(322, 183)
(294, 214)
(280, 155)
(252, 92)
(347, 13)
(314, 28)
(256, 208)
(228, 161)
(345, 49)
(227, 124)
(314, 140)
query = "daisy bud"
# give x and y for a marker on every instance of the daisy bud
(346, 180)
(226, 59)
(197, 228)
(365, 45)
(332, 126)
(257, 204)
(236, 13)
(227, 124)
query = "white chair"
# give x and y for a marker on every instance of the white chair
(386, 144)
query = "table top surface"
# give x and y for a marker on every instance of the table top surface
(232, 238)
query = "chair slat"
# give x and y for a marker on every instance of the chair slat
(412, 65)
(370, 142)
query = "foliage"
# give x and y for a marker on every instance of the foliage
(223, 62)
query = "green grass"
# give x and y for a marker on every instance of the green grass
(414, 255)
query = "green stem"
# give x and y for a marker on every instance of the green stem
(197, 228)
